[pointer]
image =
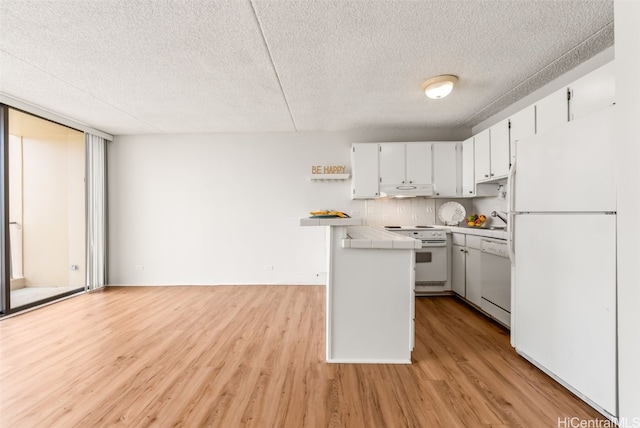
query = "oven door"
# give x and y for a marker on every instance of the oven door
(431, 262)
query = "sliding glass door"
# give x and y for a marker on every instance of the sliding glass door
(44, 210)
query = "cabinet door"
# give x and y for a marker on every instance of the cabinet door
(445, 171)
(499, 153)
(473, 285)
(482, 159)
(552, 111)
(468, 178)
(419, 163)
(593, 92)
(458, 270)
(392, 163)
(523, 125)
(364, 167)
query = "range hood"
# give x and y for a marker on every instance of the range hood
(406, 190)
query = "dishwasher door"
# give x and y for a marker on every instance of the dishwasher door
(495, 280)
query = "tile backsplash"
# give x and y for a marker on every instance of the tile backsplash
(424, 211)
(399, 212)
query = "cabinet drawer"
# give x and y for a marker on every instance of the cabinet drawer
(474, 241)
(459, 239)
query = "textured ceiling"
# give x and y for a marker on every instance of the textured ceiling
(195, 66)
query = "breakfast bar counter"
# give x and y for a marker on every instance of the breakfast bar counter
(370, 295)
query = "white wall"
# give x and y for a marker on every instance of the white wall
(627, 34)
(219, 208)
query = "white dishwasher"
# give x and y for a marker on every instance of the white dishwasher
(495, 279)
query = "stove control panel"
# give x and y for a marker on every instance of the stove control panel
(425, 235)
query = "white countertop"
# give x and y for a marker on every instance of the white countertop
(378, 237)
(338, 221)
(486, 232)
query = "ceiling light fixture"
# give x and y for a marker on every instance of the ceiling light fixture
(439, 86)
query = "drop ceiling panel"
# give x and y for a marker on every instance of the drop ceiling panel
(179, 66)
(195, 66)
(362, 63)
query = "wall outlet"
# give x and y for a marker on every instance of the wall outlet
(75, 267)
(268, 267)
(140, 267)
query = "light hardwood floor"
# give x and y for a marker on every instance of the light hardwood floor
(235, 356)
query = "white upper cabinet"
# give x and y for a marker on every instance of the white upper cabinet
(419, 163)
(468, 178)
(522, 125)
(445, 169)
(392, 163)
(499, 153)
(364, 167)
(593, 92)
(482, 159)
(552, 111)
(405, 163)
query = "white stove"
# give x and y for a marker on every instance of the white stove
(431, 259)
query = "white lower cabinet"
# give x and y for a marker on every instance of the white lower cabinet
(458, 264)
(473, 284)
(465, 267)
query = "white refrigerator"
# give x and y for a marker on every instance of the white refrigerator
(563, 251)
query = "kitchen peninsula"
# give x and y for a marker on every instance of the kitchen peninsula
(370, 293)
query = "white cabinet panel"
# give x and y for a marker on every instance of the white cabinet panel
(392, 163)
(593, 92)
(523, 125)
(499, 153)
(458, 269)
(565, 299)
(405, 163)
(473, 284)
(419, 163)
(364, 167)
(482, 154)
(552, 111)
(468, 178)
(445, 169)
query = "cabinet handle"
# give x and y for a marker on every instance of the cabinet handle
(462, 250)
(411, 182)
(492, 174)
(486, 176)
(470, 191)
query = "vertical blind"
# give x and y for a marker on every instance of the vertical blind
(96, 184)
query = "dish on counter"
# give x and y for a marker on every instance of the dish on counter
(451, 213)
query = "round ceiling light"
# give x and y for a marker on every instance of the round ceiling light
(439, 86)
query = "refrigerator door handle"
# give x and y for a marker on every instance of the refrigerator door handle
(511, 224)
(511, 239)
(511, 186)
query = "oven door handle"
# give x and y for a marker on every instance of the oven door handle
(433, 244)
